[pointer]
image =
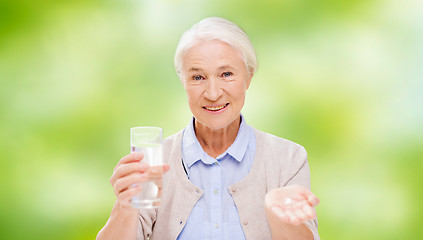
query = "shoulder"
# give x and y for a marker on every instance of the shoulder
(277, 144)
(279, 153)
(280, 159)
(173, 138)
(172, 144)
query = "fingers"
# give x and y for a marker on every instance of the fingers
(129, 172)
(288, 215)
(309, 212)
(305, 193)
(166, 168)
(292, 204)
(293, 218)
(133, 157)
(124, 198)
(129, 181)
(127, 169)
(127, 187)
(295, 213)
(312, 199)
(281, 214)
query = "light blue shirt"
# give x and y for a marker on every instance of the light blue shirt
(215, 215)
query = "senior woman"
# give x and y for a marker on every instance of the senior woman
(225, 179)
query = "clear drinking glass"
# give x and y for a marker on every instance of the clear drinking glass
(148, 140)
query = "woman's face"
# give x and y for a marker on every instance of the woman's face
(215, 79)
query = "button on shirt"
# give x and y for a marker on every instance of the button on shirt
(215, 215)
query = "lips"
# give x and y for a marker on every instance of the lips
(216, 108)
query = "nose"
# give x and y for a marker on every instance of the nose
(213, 90)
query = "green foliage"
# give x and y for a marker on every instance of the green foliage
(342, 78)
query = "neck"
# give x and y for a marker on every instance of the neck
(215, 142)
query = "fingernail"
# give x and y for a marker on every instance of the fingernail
(277, 211)
(138, 155)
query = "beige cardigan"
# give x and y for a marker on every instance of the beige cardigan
(277, 163)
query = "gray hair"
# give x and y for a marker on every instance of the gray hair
(215, 28)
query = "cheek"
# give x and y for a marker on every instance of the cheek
(240, 94)
(192, 95)
(240, 101)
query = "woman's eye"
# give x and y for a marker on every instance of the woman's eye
(197, 77)
(226, 74)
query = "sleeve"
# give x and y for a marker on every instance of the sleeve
(147, 218)
(299, 173)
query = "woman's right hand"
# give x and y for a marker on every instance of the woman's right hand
(123, 220)
(129, 171)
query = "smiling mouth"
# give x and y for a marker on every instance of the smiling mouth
(216, 108)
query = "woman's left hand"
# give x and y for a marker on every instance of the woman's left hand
(292, 204)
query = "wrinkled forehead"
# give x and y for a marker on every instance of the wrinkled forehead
(207, 50)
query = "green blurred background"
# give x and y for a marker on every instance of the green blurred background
(342, 78)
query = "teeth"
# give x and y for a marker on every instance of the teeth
(215, 108)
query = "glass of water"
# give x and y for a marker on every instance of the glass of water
(148, 140)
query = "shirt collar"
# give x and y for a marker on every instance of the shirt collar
(191, 148)
(239, 147)
(193, 152)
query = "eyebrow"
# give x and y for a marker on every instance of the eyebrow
(225, 67)
(194, 69)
